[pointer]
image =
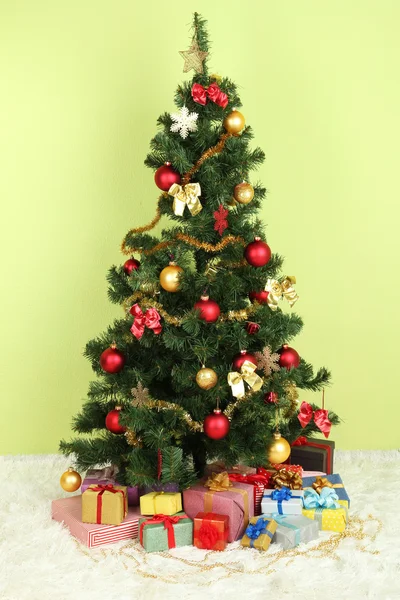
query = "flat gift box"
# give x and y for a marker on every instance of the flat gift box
(238, 505)
(337, 484)
(104, 506)
(160, 503)
(313, 454)
(219, 467)
(294, 529)
(97, 477)
(165, 534)
(292, 506)
(69, 510)
(264, 529)
(210, 531)
(328, 519)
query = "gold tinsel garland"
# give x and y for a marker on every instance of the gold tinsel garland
(132, 439)
(144, 228)
(292, 395)
(205, 156)
(191, 241)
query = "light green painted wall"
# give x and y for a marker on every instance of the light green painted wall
(81, 87)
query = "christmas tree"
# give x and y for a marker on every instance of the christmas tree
(199, 366)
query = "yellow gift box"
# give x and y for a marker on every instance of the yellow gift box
(161, 503)
(259, 533)
(329, 519)
(104, 504)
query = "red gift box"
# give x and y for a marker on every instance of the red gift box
(210, 531)
(259, 482)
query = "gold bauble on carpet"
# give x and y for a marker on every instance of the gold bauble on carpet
(70, 481)
(279, 450)
(243, 193)
(169, 277)
(234, 122)
(206, 378)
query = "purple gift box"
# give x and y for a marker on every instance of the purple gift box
(108, 476)
(159, 487)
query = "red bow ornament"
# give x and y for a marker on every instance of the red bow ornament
(150, 319)
(214, 93)
(321, 418)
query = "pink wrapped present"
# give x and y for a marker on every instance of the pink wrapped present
(69, 512)
(312, 474)
(108, 476)
(259, 483)
(220, 495)
(219, 467)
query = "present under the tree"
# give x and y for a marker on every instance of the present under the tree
(163, 532)
(161, 503)
(294, 529)
(313, 454)
(325, 508)
(291, 468)
(210, 531)
(69, 512)
(108, 476)
(220, 495)
(334, 481)
(170, 487)
(105, 504)
(283, 501)
(219, 467)
(259, 533)
(259, 483)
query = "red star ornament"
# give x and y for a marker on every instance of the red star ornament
(221, 222)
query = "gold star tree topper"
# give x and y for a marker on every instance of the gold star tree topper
(193, 57)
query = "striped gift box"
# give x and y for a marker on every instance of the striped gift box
(69, 512)
(258, 496)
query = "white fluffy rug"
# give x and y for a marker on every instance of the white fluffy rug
(40, 560)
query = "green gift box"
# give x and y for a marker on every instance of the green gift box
(163, 532)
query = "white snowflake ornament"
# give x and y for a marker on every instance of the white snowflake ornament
(184, 122)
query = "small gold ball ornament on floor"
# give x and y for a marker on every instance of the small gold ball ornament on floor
(206, 378)
(169, 277)
(243, 192)
(70, 481)
(279, 450)
(234, 122)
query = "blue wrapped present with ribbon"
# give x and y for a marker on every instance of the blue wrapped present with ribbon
(283, 501)
(293, 530)
(333, 481)
(259, 533)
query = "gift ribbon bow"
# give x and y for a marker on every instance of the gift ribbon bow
(188, 195)
(101, 489)
(285, 478)
(208, 534)
(150, 319)
(326, 499)
(254, 479)
(321, 482)
(282, 494)
(218, 482)
(236, 380)
(321, 418)
(169, 523)
(260, 527)
(277, 290)
(213, 92)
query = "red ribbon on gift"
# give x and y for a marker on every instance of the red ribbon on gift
(169, 523)
(208, 534)
(150, 319)
(101, 489)
(321, 418)
(303, 441)
(256, 479)
(213, 92)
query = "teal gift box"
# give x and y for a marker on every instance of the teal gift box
(163, 532)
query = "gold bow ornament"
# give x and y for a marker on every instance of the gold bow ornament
(321, 482)
(188, 195)
(236, 380)
(285, 478)
(278, 290)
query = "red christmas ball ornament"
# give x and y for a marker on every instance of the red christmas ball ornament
(112, 421)
(112, 360)
(209, 309)
(271, 398)
(289, 358)
(131, 265)
(165, 176)
(239, 359)
(257, 253)
(260, 297)
(252, 328)
(216, 426)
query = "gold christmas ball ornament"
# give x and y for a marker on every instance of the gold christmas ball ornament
(279, 450)
(206, 378)
(169, 277)
(234, 122)
(70, 481)
(243, 193)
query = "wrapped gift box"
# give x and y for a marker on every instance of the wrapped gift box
(259, 483)
(283, 501)
(291, 468)
(162, 532)
(210, 531)
(337, 484)
(219, 467)
(233, 499)
(312, 474)
(163, 503)
(106, 476)
(106, 505)
(294, 529)
(169, 487)
(69, 510)
(259, 533)
(328, 519)
(313, 454)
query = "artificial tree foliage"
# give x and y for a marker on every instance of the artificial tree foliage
(162, 444)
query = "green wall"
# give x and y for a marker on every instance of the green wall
(81, 87)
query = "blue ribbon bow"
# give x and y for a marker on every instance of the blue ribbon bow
(326, 499)
(254, 530)
(284, 493)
